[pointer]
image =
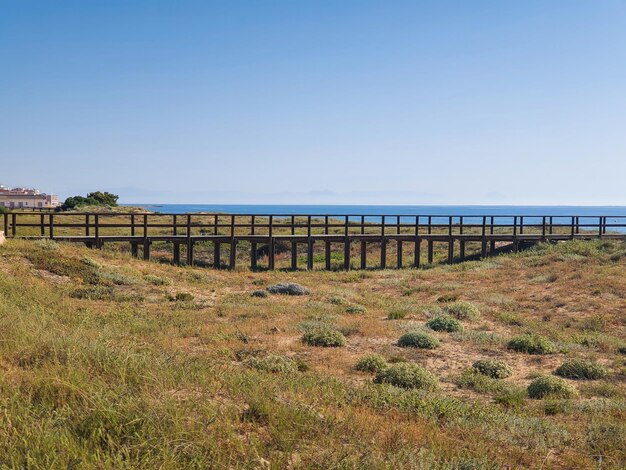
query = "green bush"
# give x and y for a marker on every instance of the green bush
(273, 363)
(462, 310)
(417, 339)
(91, 263)
(406, 375)
(97, 198)
(444, 323)
(371, 363)
(581, 369)
(397, 314)
(493, 368)
(156, 280)
(445, 298)
(47, 244)
(355, 308)
(183, 297)
(532, 344)
(336, 300)
(552, 387)
(325, 337)
(288, 288)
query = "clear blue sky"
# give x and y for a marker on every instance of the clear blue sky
(445, 102)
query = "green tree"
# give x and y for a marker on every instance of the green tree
(97, 198)
(104, 198)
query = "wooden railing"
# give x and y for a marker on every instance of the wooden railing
(187, 229)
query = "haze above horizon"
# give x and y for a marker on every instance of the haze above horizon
(316, 102)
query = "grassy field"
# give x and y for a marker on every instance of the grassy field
(111, 362)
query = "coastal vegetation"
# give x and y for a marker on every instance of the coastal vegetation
(107, 361)
(93, 199)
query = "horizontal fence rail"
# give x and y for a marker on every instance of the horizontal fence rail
(262, 232)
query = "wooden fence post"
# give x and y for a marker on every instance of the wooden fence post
(309, 245)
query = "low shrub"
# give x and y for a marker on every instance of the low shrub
(444, 323)
(550, 386)
(397, 314)
(324, 337)
(581, 369)
(91, 262)
(417, 339)
(493, 368)
(406, 375)
(355, 309)
(532, 344)
(288, 288)
(445, 298)
(273, 363)
(336, 300)
(47, 244)
(115, 277)
(371, 363)
(511, 398)
(183, 297)
(462, 310)
(156, 280)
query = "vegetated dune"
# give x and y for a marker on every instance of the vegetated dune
(108, 361)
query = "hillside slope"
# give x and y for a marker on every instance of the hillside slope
(111, 362)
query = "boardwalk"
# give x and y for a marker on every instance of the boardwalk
(415, 239)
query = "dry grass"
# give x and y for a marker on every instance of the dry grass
(103, 365)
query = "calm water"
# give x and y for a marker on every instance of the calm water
(504, 214)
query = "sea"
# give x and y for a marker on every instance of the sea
(503, 215)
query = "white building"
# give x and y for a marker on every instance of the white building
(27, 198)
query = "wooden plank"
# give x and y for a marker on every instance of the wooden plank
(309, 245)
(309, 254)
(417, 258)
(51, 227)
(217, 255)
(327, 258)
(190, 246)
(399, 254)
(271, 245)
(294, 255)
(363, 254)
(97, 229)
(492, 245)
(417, 244)
(600, 227)
(253, 256)
(483, 242)
(346, 253)
(383, 253)
(146, 249)
(176, 253)
(233, 254)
